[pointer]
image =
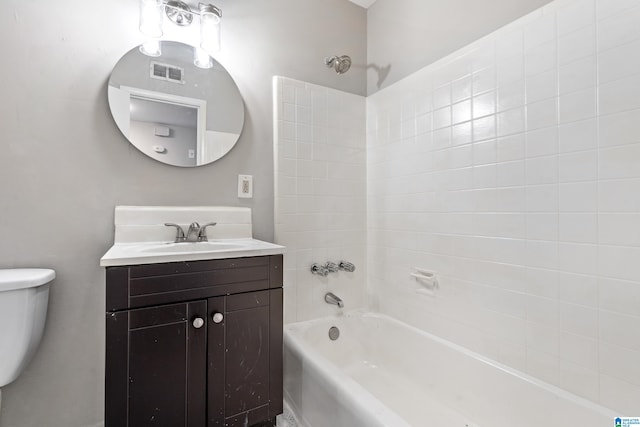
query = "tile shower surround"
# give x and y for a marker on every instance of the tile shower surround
(512, 167)
(320, 194)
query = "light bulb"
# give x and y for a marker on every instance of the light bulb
(201, 58)
(151, 18)
(151, 48)
(210, 27)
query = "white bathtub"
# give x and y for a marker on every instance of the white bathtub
(382, 372)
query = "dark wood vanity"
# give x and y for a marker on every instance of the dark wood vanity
(194, 344)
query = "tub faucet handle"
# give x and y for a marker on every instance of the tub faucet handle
(319, 270)
(331, 267)
(179, 232)
(347, 266)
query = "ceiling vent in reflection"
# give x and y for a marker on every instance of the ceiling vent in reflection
(167, 72)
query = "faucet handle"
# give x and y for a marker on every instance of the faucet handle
(319, 270)
(202, 236)
(179, 231)
(347, 266)
(331, 267)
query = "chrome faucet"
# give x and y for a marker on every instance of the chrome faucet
(331, 298)
(193, 232)
(196, 232)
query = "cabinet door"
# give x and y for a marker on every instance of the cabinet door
(245, 358)
(157, 375)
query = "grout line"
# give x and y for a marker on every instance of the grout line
(598, 198)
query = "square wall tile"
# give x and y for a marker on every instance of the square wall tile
(619, 62)
(579, 350)
(577, 75)
(619, 95)
(578, 227)
(579, 166)
(619, 296)
(578, 44)
(542, 114)
(541, 58)
(619, 162)
(578, 105)
(618, 29)
(542, 86)
(575, 15)
(619, 129)
(511, 95)
(577, 136)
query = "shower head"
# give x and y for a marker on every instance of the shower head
(340, 63)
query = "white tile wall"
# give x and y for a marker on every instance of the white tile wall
(512, 167)
(320, 193)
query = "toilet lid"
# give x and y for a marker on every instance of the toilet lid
(21, 278)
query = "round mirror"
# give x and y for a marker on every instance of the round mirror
(172, 110)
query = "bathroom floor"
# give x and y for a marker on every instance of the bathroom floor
(287, 419)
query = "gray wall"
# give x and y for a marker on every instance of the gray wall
(404, 36)
(64, 164)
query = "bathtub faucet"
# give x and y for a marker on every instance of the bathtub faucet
(331, 298)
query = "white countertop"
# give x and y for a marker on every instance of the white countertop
(161, 252)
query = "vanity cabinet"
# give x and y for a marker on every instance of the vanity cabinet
(194, 344)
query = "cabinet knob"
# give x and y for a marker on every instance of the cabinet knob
(217, 317)
(198, 322)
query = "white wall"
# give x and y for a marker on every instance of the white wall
(512, 168)
(320, 194)
(405, 35)
(64, 164)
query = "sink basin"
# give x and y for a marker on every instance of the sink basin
(173, 248)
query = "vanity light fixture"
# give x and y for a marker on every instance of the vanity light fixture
(179, 13)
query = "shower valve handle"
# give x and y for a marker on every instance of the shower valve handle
(331, 267)
(347, 266)
(319, 270)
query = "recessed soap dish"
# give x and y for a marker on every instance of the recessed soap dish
(428, 279)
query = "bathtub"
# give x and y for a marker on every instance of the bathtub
(381, 372)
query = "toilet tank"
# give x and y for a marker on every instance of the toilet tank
(24, 296)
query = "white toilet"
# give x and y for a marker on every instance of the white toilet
(24, 295)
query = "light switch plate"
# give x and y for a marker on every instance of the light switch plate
(245, 186)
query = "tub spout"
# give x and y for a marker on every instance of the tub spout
(331, 298)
